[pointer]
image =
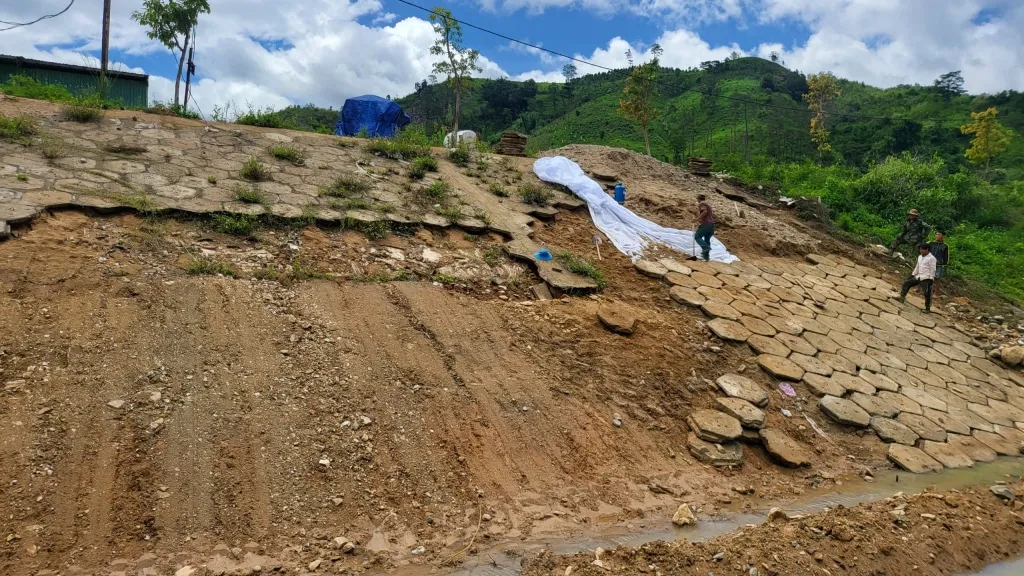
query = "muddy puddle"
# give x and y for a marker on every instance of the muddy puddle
(497, 562)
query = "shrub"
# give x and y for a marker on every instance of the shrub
(498, 190)
(22, 177)
(300, 271)
(396, 149)
(236, 224)
(254, 170)
(493, 255)
(349, 203)
(426, 163)
(535, 194)
(583, 267)
(459, 155)
(452, 213)
(207, 266)
(172, 110)
(438, 190)
(24, 86)
(289, 154)
(376, 230)
(417, 173)
(17, 128)
(249, 195)
(53, 148)
(81, 112)
(211, 179)
(265, 118)
(345, 186)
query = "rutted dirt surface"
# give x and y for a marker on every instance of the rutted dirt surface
(930, 533)
(146, 411)
(338, 403)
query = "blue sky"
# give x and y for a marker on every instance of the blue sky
(322, 51)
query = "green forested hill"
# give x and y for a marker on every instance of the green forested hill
(921, 120)
(892, 149)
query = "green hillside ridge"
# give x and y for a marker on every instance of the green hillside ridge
(892, 149)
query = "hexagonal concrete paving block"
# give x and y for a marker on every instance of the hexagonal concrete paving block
(874, 405)
(811, 364)
(750, 416)
(922, 426)
(946, 454)
(797, 344)
(729, 330)
(972, 447)
(912, 459)
(714, 426)
(822, 386)
(844, 411)
(780, 367)
(890, 430)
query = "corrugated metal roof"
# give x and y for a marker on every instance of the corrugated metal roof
(28, 62)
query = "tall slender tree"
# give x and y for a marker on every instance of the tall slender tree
(638, 98)
(823, 89)
(457, 62)
(990, 137)
(172, 23)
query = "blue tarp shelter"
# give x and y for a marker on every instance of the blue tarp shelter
(379, 117)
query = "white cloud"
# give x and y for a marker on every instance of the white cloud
(544, 56)
(321, 51)
(691, 11)
(682, 49)
(540, 76)
(907, 41)
(305, 51)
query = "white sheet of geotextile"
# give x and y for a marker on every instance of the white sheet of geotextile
(627, 231)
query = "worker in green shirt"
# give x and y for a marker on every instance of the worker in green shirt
(913, 232)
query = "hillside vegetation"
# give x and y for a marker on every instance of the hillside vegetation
(892, 149)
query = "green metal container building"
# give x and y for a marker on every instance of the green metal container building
(131, 89)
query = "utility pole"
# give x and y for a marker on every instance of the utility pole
(190, 69)
(106, 40)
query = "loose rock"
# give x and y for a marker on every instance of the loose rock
(718, 455)
(749, 415)
(785, 449)
(684, 516)
(617, 320)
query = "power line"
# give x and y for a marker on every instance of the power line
(13, 25)
(660, 82)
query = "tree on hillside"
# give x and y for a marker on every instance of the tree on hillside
(457, 62)
(570, 73)
(951, 84)
(990, 137)
(637, 102)
(171, 22)
(823, 88)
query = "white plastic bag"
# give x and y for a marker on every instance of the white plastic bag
(627, 231)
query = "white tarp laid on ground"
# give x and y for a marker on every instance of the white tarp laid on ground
(627, 231)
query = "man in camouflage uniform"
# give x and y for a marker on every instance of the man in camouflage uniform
(913, 232)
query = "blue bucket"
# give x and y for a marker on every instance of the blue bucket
(543, 255)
